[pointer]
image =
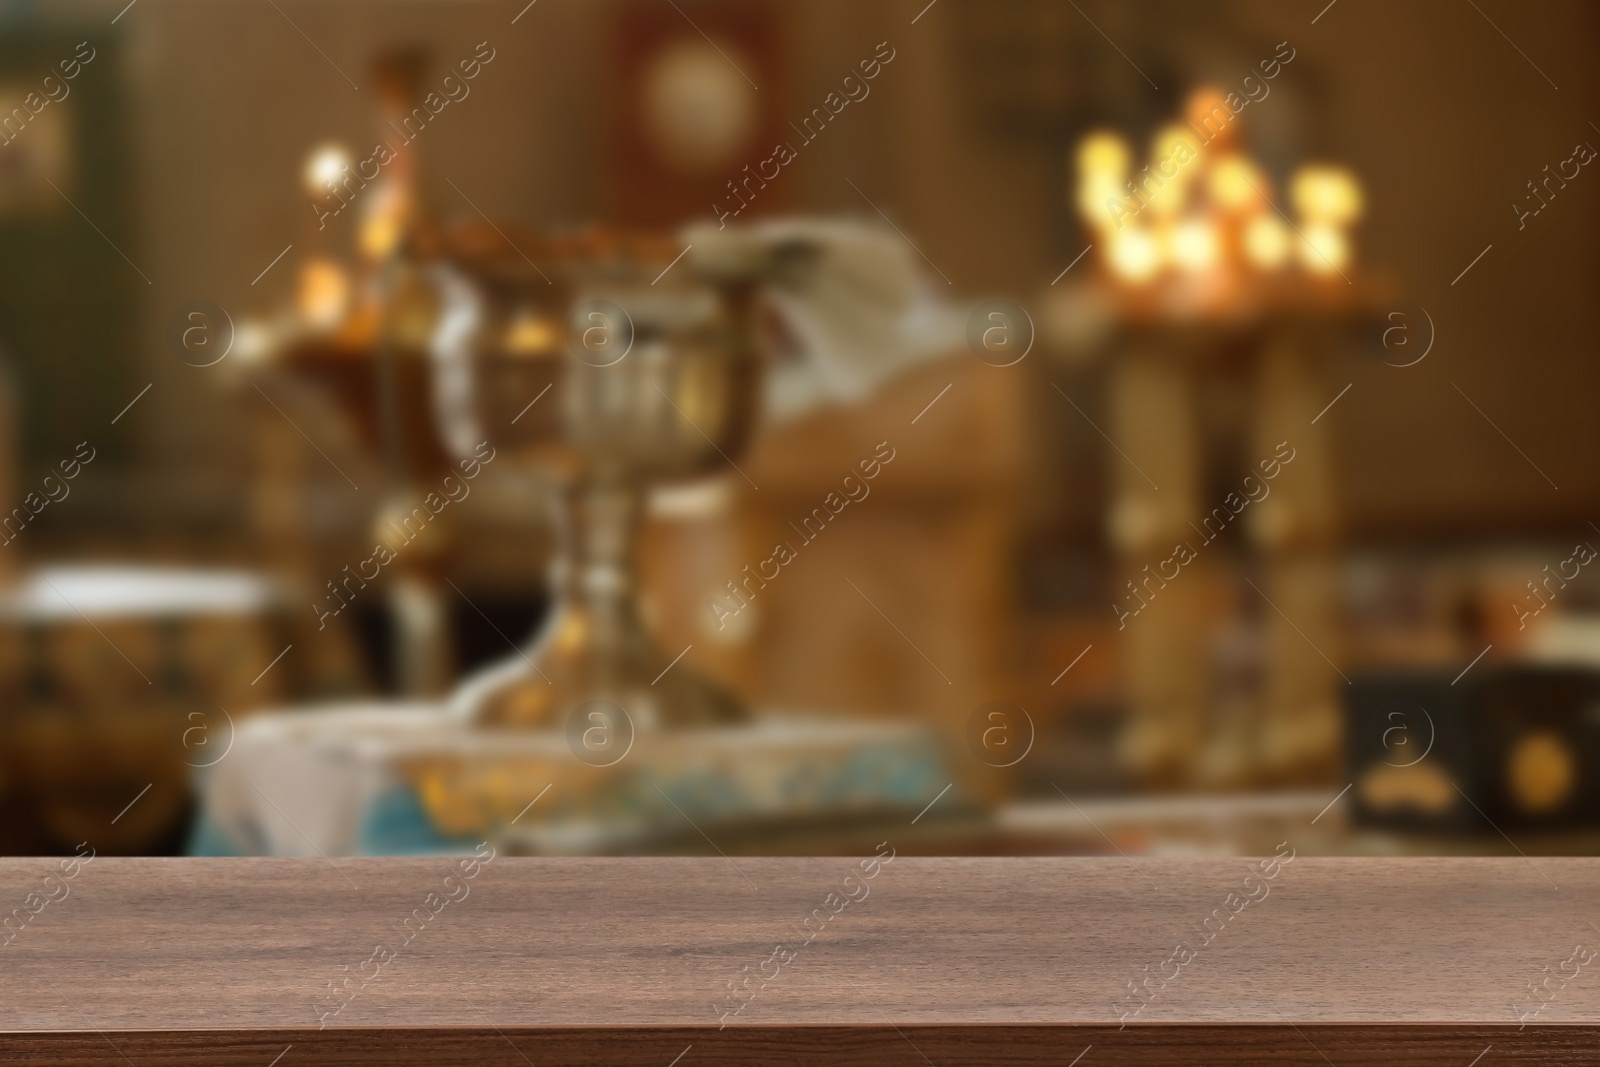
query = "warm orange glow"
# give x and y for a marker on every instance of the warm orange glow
(1325, 249)
(530, 334)
(379, 235)
(1195, 246)
(1201, 206)
(1327, 194)
(1134, 254)
(1266, 242)
(1101, 153)
(1102, 170)
(324, 295)
(1168, 138)
(1207, 110)
(1236, 185)
(1170, 153)
(324, 167)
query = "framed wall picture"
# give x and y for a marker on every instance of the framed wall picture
(697, 98)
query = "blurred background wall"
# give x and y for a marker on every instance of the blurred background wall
(967, 142)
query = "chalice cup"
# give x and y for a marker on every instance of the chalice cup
(639, 378)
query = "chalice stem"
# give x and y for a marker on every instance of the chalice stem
(597, 574)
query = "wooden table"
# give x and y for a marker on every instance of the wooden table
(936, 961)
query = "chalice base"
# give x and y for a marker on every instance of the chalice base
(568, 674)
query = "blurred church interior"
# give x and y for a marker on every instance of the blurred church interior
(931, 422)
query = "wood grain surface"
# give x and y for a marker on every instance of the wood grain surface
(935, 961)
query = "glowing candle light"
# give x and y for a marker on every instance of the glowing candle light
(1172, 153)
(1266, 242)
(324, 294)
(324, 168)
(530, 333)
(1325, 249)
(1326, 194)
(1195, 246)
(1236, 185)
(1201, 204)
(1134, 253)
(1102, 169)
